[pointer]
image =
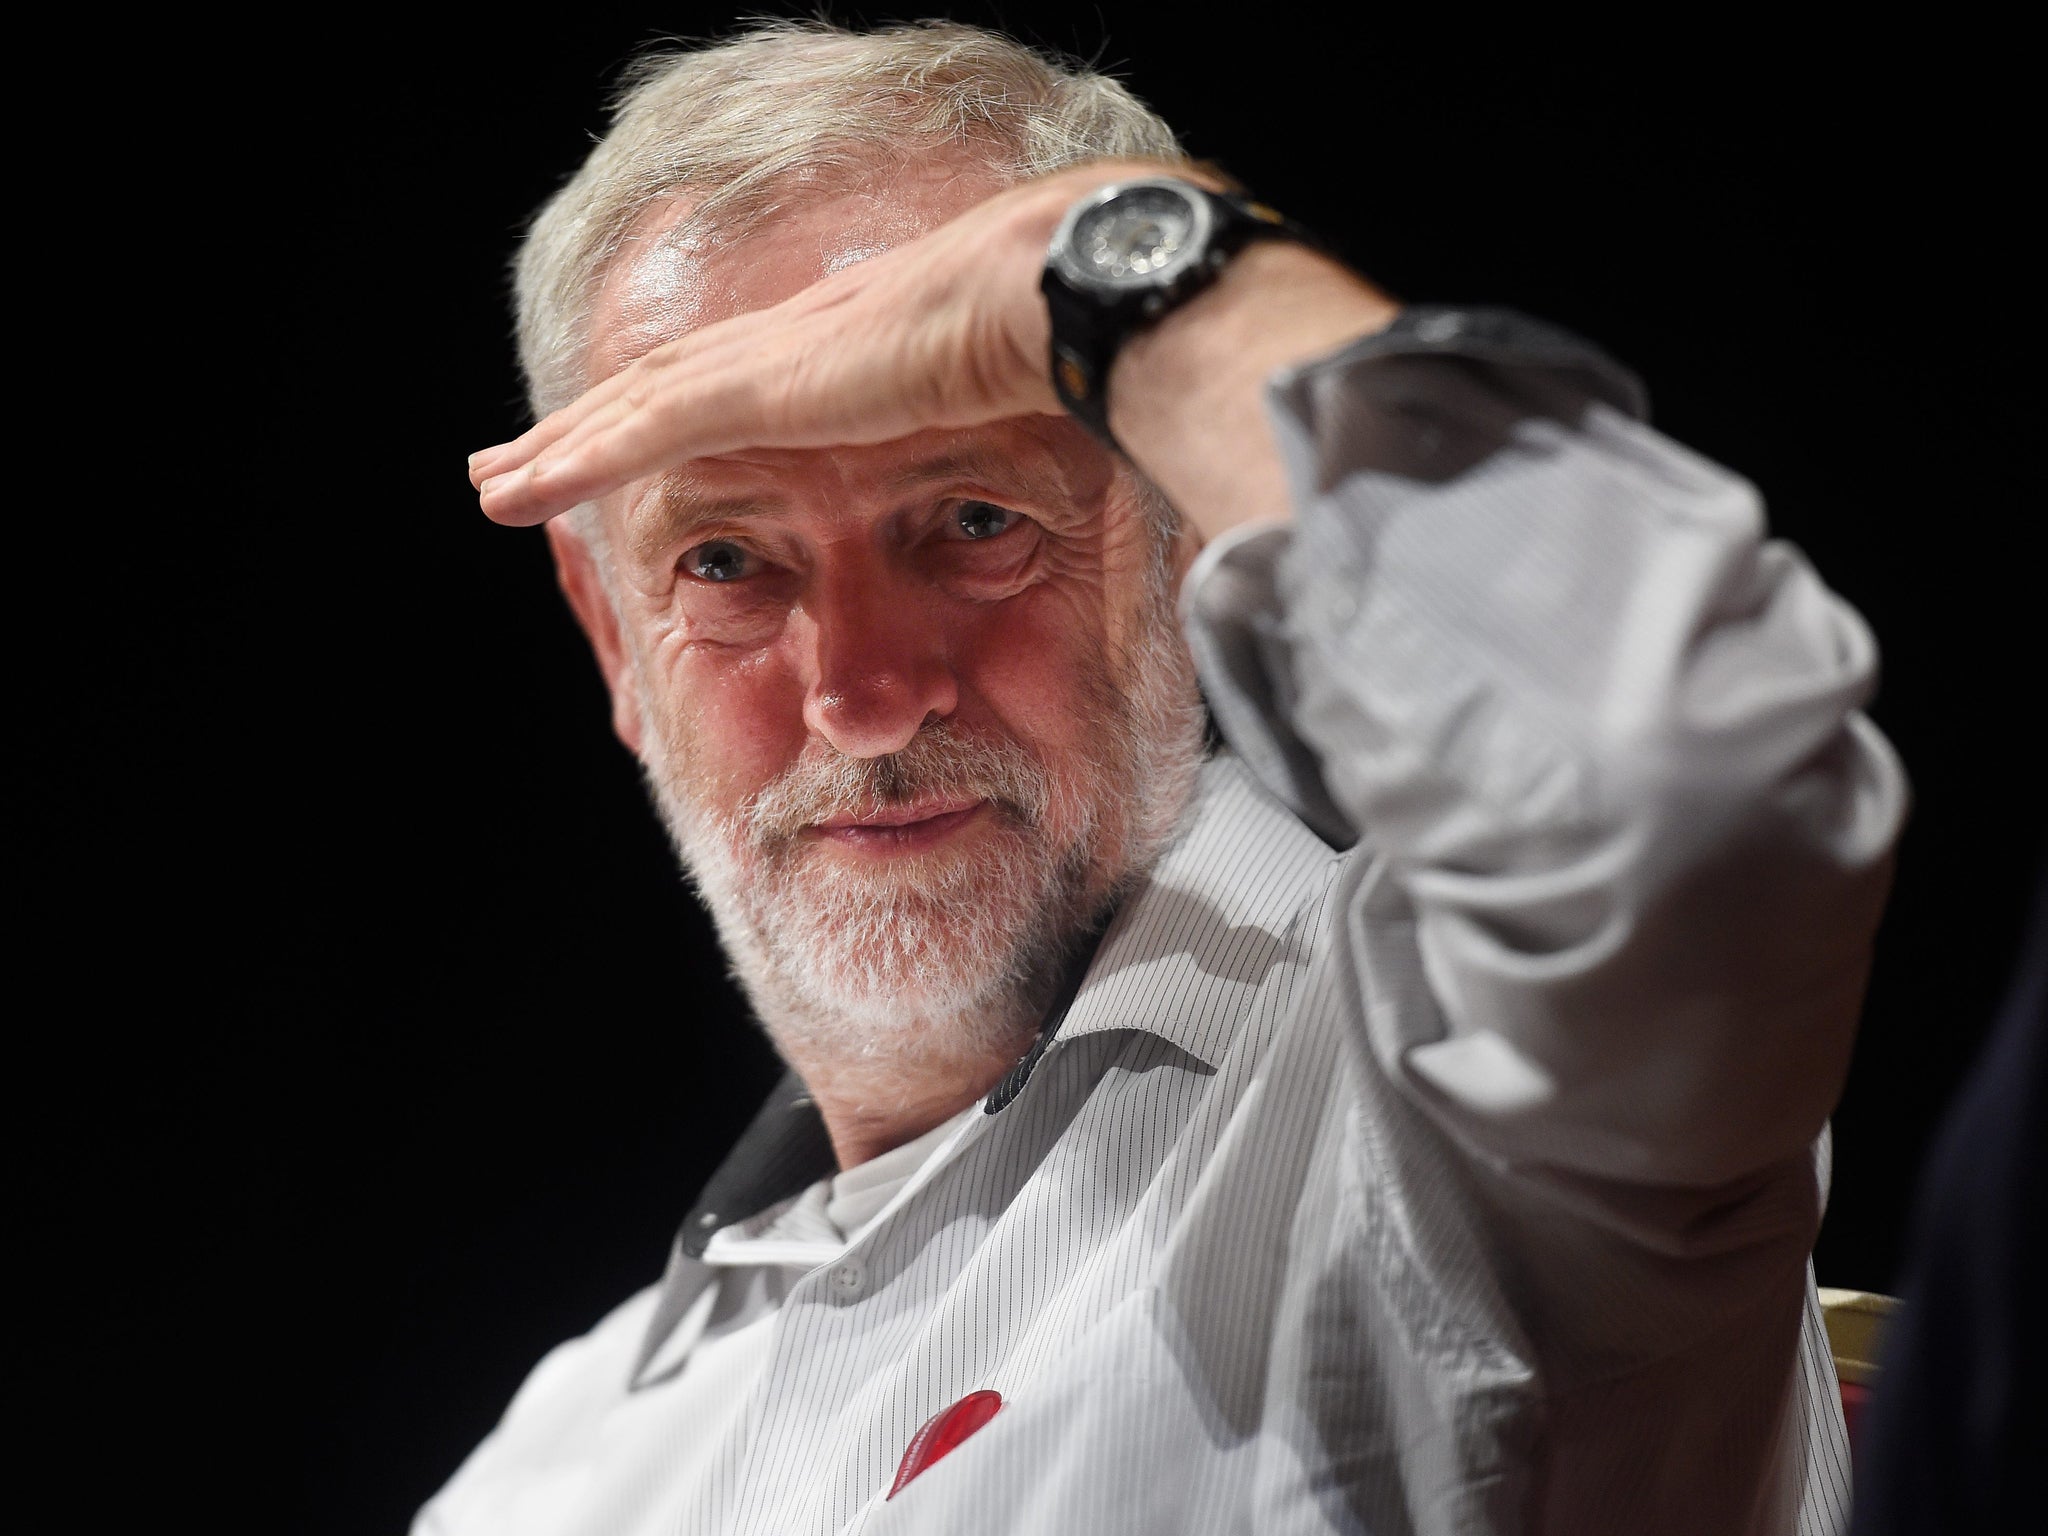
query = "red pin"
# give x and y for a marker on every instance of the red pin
(942, 1434)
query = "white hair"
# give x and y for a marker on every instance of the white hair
(778, 114)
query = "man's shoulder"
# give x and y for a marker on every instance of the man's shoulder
(1220, 908)
(585, 1363)
(550, 1416)
(1240, 836)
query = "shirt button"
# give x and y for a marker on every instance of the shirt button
(848, 1276)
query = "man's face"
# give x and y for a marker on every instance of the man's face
(912, 711)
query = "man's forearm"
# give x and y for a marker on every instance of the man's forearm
(949, 332)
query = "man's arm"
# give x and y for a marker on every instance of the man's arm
(1604, 732)
(1604, 735)
(951, 331)
(1187, 398)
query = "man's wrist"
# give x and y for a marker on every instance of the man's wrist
(1187, 395)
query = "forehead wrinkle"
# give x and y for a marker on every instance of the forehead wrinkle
(980, 462)
(675, 508)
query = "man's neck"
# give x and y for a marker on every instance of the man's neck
(875, 1100)
(871, 1104)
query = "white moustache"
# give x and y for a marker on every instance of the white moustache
(941, 763)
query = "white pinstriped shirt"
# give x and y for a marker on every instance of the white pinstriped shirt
(1429, 1146)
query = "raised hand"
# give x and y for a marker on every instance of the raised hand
(948, 330)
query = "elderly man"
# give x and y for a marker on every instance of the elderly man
(1400, 1116)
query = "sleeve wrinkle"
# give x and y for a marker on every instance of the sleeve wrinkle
(1602, 733)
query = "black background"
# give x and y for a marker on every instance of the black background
(420, 1046)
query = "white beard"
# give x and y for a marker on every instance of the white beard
(950, 954)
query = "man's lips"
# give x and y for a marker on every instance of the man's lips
(899, 828)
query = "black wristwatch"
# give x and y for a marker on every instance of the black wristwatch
(1124, 256)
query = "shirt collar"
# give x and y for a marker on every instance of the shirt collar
(782, 1152)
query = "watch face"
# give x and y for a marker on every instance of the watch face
(1139, 237)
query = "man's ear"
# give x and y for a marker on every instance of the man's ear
(576, 570)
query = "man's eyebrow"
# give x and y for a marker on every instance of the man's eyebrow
(985, 465)
(676, 508)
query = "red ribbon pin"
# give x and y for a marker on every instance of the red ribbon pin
(942, 1434)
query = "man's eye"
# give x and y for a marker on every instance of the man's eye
(983, 520)
(719, 561)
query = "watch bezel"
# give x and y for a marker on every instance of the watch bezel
(1080, 275)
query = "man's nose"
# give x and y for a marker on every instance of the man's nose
(882, 665)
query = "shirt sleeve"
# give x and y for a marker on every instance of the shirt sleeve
(1599, 735)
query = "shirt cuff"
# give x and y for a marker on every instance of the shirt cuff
(1502, 341)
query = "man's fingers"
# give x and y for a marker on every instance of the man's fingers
(503, 459)
(625, 437)
(482, 463)
(698, 396)
(499, 457)
(868, 354)
(509, 476)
